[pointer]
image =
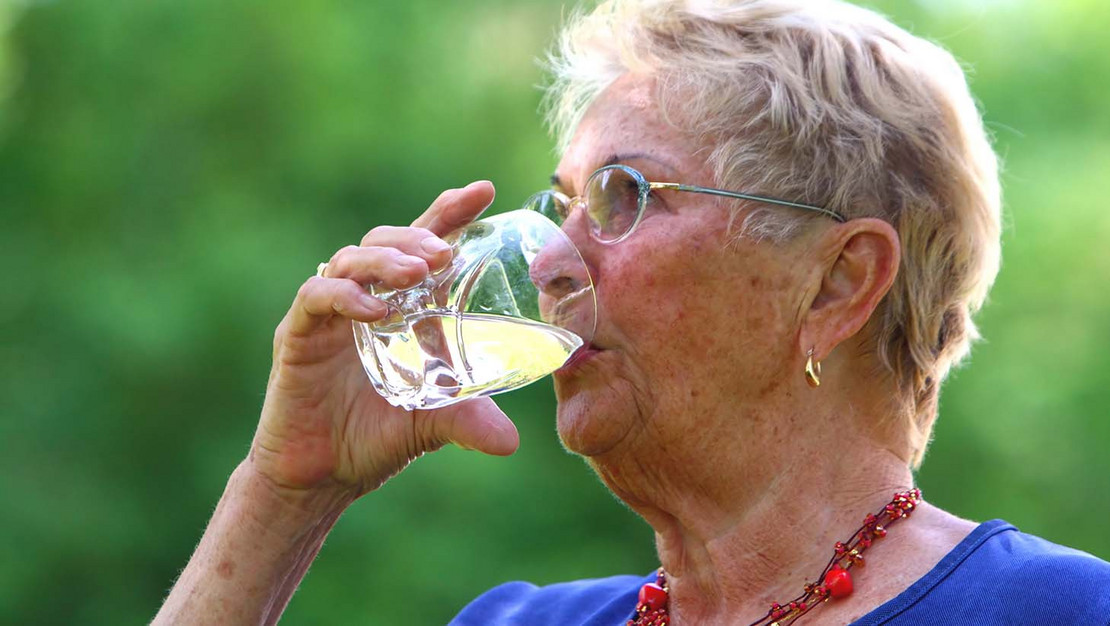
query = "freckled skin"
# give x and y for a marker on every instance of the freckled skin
(225, 569)
(691, 322)
(695, 412)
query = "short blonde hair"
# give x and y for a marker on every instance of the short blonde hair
(822, 102)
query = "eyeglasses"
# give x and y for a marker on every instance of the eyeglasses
(615, 197)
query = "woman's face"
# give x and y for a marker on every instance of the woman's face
(690, 326)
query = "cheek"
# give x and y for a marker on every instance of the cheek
(700, 312)
(654, 285)
(668, 288)
(760, 313)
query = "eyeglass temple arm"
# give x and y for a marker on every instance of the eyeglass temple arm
(744, 196)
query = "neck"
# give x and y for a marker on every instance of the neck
(779, 543)
(730, 547)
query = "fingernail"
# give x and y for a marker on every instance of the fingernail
(434, 245)
(479, 182)
(410, 261)
(372, 304)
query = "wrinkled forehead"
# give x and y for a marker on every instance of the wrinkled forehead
(626, 119)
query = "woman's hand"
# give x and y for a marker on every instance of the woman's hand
(324, 428)
(326, 437)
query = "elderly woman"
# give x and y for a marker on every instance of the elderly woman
(772, 334)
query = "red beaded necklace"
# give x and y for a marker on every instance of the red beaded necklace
(834, 581)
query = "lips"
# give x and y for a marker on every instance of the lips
(584, 353)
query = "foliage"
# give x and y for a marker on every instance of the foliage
(171, 171)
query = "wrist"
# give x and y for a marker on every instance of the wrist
(276, 507)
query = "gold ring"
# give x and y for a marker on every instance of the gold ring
(320, 269)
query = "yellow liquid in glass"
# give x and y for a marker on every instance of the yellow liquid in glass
(434, 359)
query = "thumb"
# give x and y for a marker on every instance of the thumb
(477, 424)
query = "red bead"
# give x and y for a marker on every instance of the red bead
(653, 596)
(839, 582)
(776, 611)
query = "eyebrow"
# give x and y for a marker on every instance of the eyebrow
(614, 159)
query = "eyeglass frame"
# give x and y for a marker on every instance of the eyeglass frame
(645, 187)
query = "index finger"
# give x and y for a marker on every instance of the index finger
(456, 208)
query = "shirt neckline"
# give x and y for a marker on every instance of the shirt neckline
(922, 586)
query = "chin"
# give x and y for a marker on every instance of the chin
(592, 421)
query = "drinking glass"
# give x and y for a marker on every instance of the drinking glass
(515, 302)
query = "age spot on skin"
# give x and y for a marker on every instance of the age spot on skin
(225, 569)
(771, 388)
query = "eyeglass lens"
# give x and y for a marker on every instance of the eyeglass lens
(611, 198)
(612, 202)
(550, 204)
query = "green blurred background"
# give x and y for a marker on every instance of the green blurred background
(170, 172)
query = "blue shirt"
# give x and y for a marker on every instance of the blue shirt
(996, 576)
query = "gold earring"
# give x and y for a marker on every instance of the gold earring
(813, 370)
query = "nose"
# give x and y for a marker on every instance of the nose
(563, 279)
(558, 269)
(577, 228)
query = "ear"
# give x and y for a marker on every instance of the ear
(865, 255)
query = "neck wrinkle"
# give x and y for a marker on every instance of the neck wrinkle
(727, 565)
(747, 506)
